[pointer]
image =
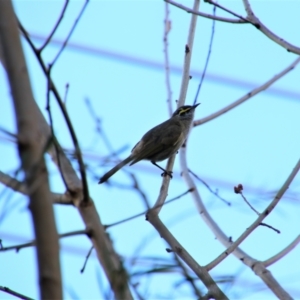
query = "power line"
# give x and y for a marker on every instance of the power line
(159, 66)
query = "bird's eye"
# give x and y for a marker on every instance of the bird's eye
(184, 111)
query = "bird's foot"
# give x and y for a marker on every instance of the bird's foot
(167, 173)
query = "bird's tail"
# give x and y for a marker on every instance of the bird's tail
(115, 169)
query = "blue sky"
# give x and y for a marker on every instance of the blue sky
(255, 144)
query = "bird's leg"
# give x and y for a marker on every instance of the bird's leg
(165, 173)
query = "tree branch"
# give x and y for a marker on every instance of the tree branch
(107, 256)
(183, 91)
(252, 19)
(66, 116)
(271, 35)
(282, 253)
(248, 95)
(31, 150)
(208, 16)
(20, 187)
(14, 293)
(178, 249)
(33, 243)
(55, 26)
(167, 29)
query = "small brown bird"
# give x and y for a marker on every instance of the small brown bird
(160, 142)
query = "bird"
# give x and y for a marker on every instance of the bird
(160, 142)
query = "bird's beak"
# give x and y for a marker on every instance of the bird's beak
(195, 105)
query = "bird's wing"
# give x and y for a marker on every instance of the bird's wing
(156, 141)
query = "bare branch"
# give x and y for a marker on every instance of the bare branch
(67, 119)
(86, 259)
(207, 58)
(258, 268)
(167, 29)
(208, 16)
(209, 188)
(70, 33)
(136, 186)
(14, 293)
(264, 214)
(271, 35)
(152, 215)
(48, 108)
(33, 243)
(269, 226)
(188, 277)
(13, 183)
(239, 190)
(188, 57)
(274, 286)
(31, 145)
(66, 93)
(145, 212)
(228, 10)
(177, 248)
(65, 198)
(282, 253)
(252, 19)
(92, 111)
(20, 187)
(248, 95)
(55, 26)
(183, 91)
(109, 259)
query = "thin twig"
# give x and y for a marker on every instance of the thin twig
(55, 26)
(207, 57)
(167, 29)
(48, 109)
(14, 293)
(249, 204)
(201, 14)
(260, 218)
(144, 212)
(86, 259)
(71, 31)
(66, 116)
(136, 186)
(269, 226)
(33, 243)
(10, 134)
(101, 132)
(99, 129)
(66, 93)
(228, 10)
(209, 188)
(239, 191)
